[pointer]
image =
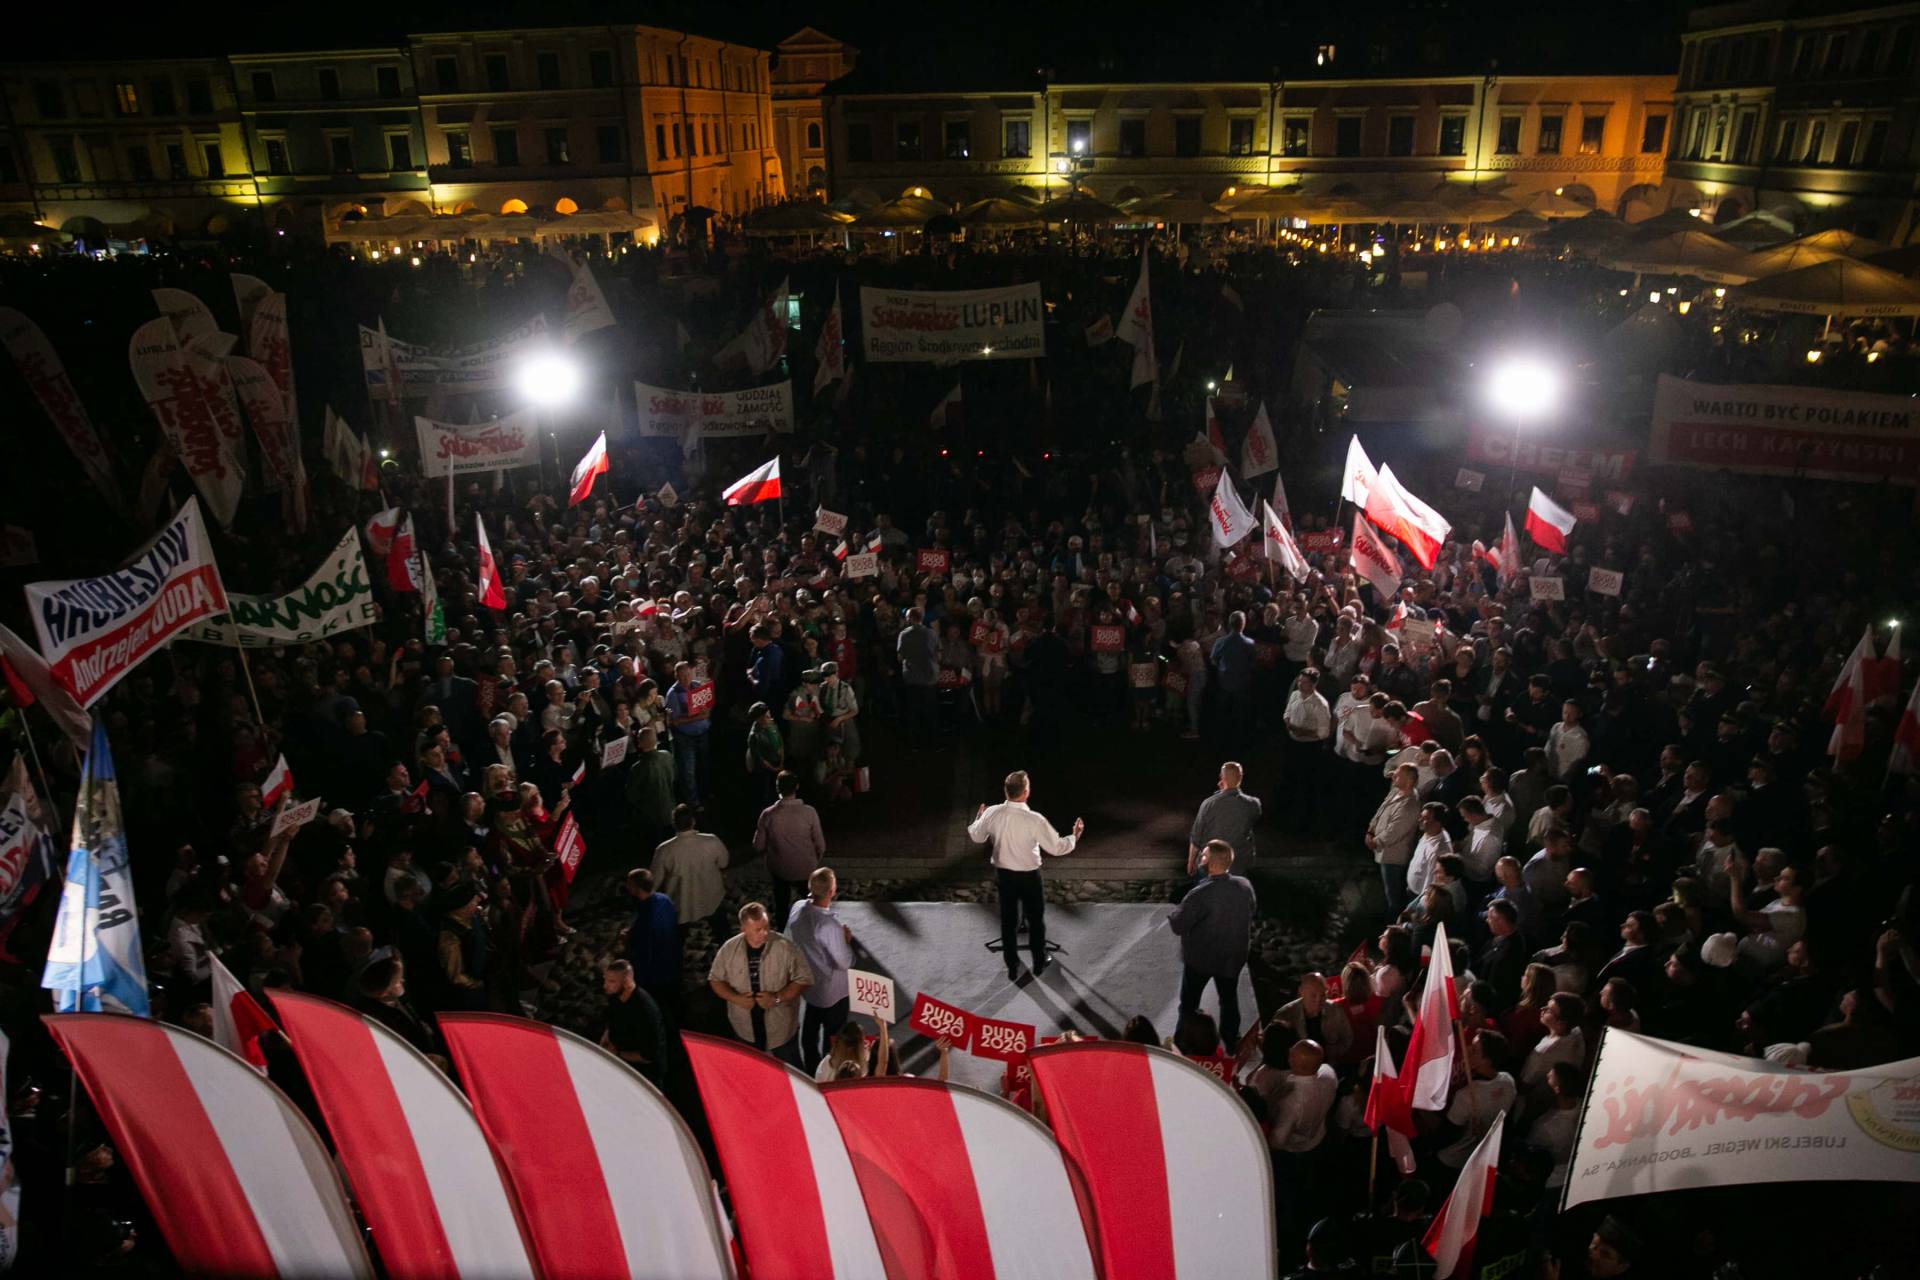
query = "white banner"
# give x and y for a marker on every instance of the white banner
(93, 631)
(447, 448)
(189, 417)
(964, 324)
(337, 597)
(484, 366)
(1816, 432)
(1605, 582)
(695, 415)
(1662, 1117)
(1469, 479)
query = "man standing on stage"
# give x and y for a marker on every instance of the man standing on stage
(1019, 836)
(1214, 923)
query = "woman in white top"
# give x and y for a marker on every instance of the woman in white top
(1565, 1041)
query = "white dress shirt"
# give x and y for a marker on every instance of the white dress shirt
(1019, 836)
(1484, 847)
(1427, 852)
(1308, 717)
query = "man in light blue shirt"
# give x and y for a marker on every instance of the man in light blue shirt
(827, 944)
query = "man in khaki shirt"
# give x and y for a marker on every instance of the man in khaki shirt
(760, 974)
(1391, 834)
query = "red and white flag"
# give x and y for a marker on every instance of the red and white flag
(1883, 673)
(569, 1122)
(1394, 510)
(1136, 329)
(959, 1183)
(800, 1210)
(1280, 499)
(491, 594)
(587, 308)
(762, 484)
(31, 680)
(947, 412)
(830, 352)
(1259, 453)
(1906, 737)
(1548, 523)
(1178, 1181)
(238, 1019)
(1216, 438)
(234, 1175)
(1387, 1104)
(279, 783)
(403, 569)
(381, 529)
(44, 374)
(1281, 548)
(1375, 560)
(1360, 475)
(1229, 516)
(427, 1183)
(1427, 1075)
(1449, 1241)
(1505, 556)
(1849, 710)
(579, 774)
(589, 469)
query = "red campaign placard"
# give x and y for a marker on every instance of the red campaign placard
(935, 1018)
(700, 698)
(1177, 682)
(1319, 541)
(952, 678)
(1206, 480)
(1679, 522)
(1006, 1041)
(569, 846)
(1575, 482)
(1586, 512)
(1109, 639)
(977, 632)
(931, 560)
(1266, 655)
(1242, 567)
(1621, 501)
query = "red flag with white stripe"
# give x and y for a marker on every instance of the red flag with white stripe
(381, 529)
(425, 1178)
(799, 1207)
(1883, 673)
(1906, 737)
(1835, 707)
(1178, 1180)
(762, 484)
(1393, 509)
(960, 1183)
(1428, 1071)
(238, 1019)
(609, 1180)
(1549, 523)
(1449, 1241)
(589, 469)
(1387, 1104)
(491, 594)
(279, 784)
(236, 1178)
(1849, 737)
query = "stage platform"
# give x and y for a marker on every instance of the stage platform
(1110, 961)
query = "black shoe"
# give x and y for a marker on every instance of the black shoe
(1013, 973)
(1041, 966)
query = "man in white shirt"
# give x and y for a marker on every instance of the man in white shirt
(1484, 846)
(1299, 1121)
(1300, 631)
(1309, 724)
(1433, 842)
(1490, 1092)
(1019, 837)
(689, 868)
(1567, 743)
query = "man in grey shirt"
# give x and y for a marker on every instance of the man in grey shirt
(1214, 923)
(918, 649)
(827, 945)
(1228, 814)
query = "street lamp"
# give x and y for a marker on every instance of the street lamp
(1522, 388)
(549, 379)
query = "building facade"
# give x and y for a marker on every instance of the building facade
(1600, 139)
(805, 63)
(704, 122)
(1801, 109)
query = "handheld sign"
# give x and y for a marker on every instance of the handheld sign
(1548, 588)
(1143, 675)
(1416, 635)
(614, 752)
(933, 560)
(936, 1018)
(1109, 639)
(864, 565)
(1469, 480)
(570, 846)
(667, 496)
(829, 521)
(1604, 582)
(1006, 1041)
(296, 815)
(700, 699)
(871, 993)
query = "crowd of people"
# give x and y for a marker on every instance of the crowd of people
(1620, 809)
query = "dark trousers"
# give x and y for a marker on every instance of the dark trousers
(919, 705)
(785, 893)
(1021, 891)
(1193, 985)
(818, 1026)
(1302, 777)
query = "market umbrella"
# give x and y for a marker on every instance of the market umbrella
(999, 214)
(797, 218)
(1175, 209)
(1555, 204)
(895, 215)
(1836, 287)
(943, 224)
(1755, 230)
(1080, 208)
(1789, 257)
(1519, 222)
(1682, 253)
(596, 222)
(1845, 242)
(1270, 203)
(1589, 231)
(21, 229)
(1666, 224)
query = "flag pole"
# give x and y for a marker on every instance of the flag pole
(1473, 1103)
(1373, 1167)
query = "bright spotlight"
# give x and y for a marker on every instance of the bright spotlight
(549, 379)
(1523, 387)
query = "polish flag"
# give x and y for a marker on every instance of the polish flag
(279, 784)
(1393, 509)
(381, 530)
(1387, 1104)
(840, 552)
(238, 1019)
(31, 680)
(1839, 698)
(959, 1183)
(1360, 476)
(799, 1207)
(830, 352)
(1849, 735)
(1428, 1074)
(567, 1119)
(1280, 546)
(947, 412)
(1178, 1181)
(1216, 438)
(402, 574)
(646, 609)
(1376, 563)
(1280, 496)
(1883, 673)
(1449, 1241)
(428, 1184)
(491, 594)
(1548, 523)
(590, 468)
(234, 1175)
(1906, 737)
(579, 774)
(762, 484)
(1505, 556)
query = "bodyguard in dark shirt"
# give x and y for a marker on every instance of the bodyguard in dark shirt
(635, 1030)
(1215, 925)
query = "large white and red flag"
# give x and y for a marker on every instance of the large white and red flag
(1427, 1073)
(587, 308)
(238, 1019)
(382, 528)
(1259, 452)
(1838, 697)
(1449, 1241)
(491, 594)
(279, 783)
(403, 564)
(192, 416)
(1280, 499)
(1387, 1106)
(427, 1183)
(799, 1207)
(830, 352)
(762, 484)
(1906, 737)
(960, 1183)
(1178, 1181)
(234, 1175)
(1393, 509)
(1358, 481)
(1375, 560)
(27, 675)
(589, 469)
(1136, 328)
(1849, 709)
(609, 1180)
(1280, 546)
(1548, 523)
(1227, 514)
(1882, 676)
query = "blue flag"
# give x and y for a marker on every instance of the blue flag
(95, 963)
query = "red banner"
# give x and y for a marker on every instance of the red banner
(1109, 639)
(1006, 1041)
(1320, 541)
(1496, 448)
(932, 560)
(700, 698)
(935, 1018)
